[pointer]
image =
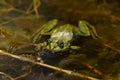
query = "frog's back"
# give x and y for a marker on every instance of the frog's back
(63, 33)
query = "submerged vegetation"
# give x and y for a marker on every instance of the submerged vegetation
(46, 55)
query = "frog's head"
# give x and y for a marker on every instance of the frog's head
(57, 45)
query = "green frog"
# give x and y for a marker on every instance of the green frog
(61, 36)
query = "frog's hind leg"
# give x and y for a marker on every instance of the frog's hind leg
(44, 30)
(87, 29)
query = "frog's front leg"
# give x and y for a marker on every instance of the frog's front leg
(44, 30)
(75, 47)
(86, 29)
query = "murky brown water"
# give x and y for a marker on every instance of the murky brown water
(103, 15)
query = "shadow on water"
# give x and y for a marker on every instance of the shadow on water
(104, 15)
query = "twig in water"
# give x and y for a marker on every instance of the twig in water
(96, 71)
(23, 75)
(107, 45)
(6, 75)
(99, 13)
(49, 66)
(33, 7)
(36, 5)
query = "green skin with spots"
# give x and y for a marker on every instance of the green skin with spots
(62, 36)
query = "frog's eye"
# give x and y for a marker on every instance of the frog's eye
(60, 44)
(48, 41)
